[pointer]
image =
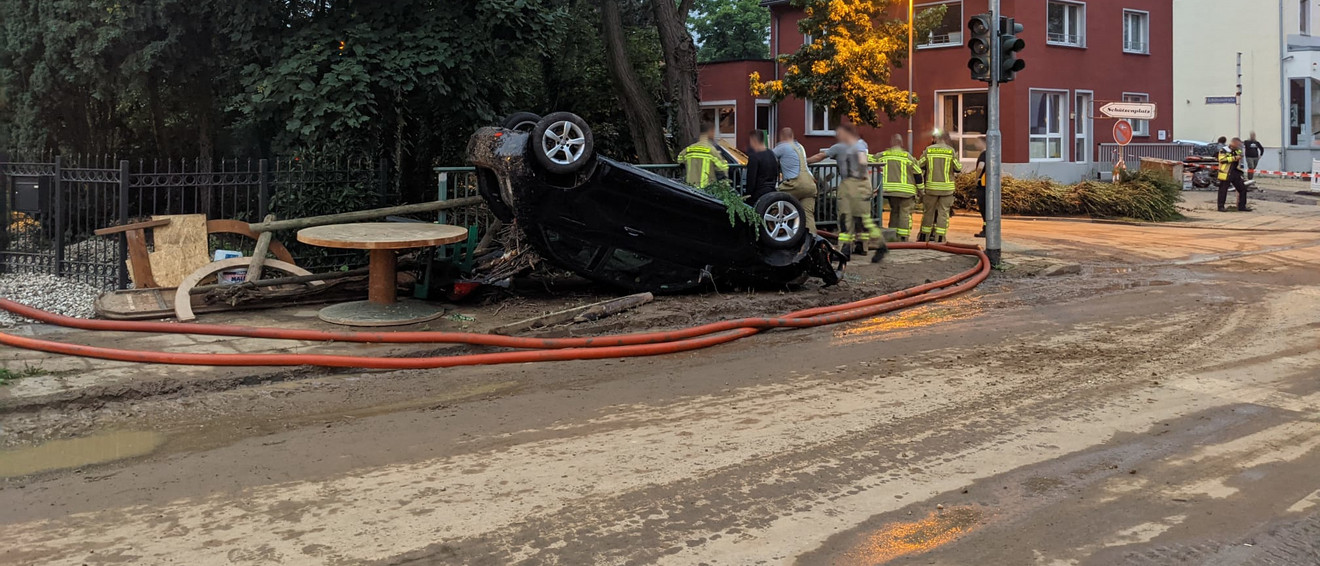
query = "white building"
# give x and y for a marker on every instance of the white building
(1280, 75)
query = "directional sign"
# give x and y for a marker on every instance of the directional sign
(1129, 110)
(1123, 132)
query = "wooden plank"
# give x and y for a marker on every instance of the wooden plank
(358, 216)
(594, 311)
(139, 260)
(134, 226)
(181, 247)
(259, 253)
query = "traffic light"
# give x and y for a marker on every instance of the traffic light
(1009, 46)
(981, 61)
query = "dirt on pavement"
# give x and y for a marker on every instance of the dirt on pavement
(1155, 407)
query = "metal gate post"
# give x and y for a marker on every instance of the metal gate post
(57, 196)
(123, 219)
(263, 189)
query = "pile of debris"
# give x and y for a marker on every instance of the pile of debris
(48, 293)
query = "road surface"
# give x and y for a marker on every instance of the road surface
(1158, 408)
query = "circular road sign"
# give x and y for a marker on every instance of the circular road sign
(1123, 132)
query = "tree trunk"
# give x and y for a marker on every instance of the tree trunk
(644, 120)
(680, 66)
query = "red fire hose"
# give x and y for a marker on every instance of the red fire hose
(538, 349)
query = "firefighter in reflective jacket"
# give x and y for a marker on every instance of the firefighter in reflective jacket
(940, 163)
(702, 160)
(900, 187)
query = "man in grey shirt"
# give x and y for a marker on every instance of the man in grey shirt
(856, 225)
(798, 182)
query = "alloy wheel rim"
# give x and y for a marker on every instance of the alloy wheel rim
(563, 142)
(782, 221)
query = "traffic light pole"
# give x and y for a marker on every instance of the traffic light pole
(994, 145)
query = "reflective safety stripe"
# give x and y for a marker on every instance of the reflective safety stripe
(701, 162)
(845, 238)
(898, 165)
(940, 163)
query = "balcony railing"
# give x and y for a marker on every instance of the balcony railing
(1074, 40)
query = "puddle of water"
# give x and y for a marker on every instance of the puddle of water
(75, 452)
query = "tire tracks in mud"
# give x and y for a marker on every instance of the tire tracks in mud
(679, 518)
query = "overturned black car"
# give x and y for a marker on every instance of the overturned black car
(624, 226)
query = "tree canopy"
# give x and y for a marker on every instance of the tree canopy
(731, 29)
(855, 46)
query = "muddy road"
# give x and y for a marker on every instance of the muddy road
(1159, 407)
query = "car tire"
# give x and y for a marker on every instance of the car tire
(561, 143)
(521, 121)
(784, 221)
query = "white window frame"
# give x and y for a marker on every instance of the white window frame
(811, 131)
(957, 134)
(717, 104)
(1081, 27)
(1140, 128)
(1064, 125)
(1142, 48)
(1084, 117)
(953, 41)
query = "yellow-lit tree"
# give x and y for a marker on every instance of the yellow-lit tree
(855, 47)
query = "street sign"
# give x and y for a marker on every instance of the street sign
(1122, 132)
(1129, 110)
(1221, 100)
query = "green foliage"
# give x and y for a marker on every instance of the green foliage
(1143, 196)
(731, 29)
(8, 376)
(739, 210)
(856, 45)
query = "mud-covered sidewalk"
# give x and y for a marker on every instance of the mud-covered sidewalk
(48, 381)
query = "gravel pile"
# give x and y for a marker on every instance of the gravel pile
(48, 293)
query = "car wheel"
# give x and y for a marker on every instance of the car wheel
(521, 121)
(784, 221)
(562, 143)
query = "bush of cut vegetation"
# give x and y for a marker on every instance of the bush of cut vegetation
(1142, 196)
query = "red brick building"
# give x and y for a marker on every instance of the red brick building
(1080, 55)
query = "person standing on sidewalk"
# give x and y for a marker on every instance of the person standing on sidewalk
(1254, 150)
(900, 185)
(798, 182)
(940, 163)
(1230, 175)
(855, 223)
(980, 192)
(762, 167)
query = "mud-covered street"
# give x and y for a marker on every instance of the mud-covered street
(1126, 394)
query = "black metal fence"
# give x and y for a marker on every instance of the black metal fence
(51, 208)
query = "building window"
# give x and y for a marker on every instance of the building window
(1139, 127)
(724, 114)
(949, 32)
(1083, 125)
(763, 113)
(1047, 112)
(821, 120)
(1303, 112)
(1136, 32)
(1066, 23)
(963, 116)
(1304, 17)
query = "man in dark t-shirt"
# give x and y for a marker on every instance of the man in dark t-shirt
(762, 167)
(1254, 150)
